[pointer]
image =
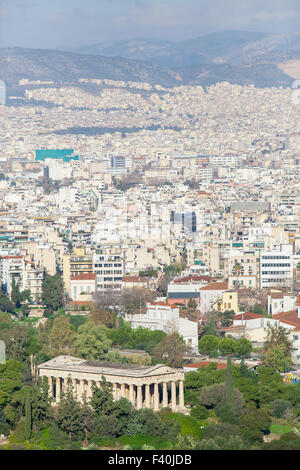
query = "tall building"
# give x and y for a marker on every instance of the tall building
(76, 264)
(109, 266)
(276, 268)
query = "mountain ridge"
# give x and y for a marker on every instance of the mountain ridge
(234, 57)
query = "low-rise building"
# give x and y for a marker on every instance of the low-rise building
(165, 317)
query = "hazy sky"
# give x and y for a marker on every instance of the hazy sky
(59, 23)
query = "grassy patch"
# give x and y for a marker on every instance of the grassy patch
(280, 429)
(189, 426)
(137, 442)
(109, 443)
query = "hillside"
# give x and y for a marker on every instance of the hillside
(40, 64)
(237, 57)
(203, 50)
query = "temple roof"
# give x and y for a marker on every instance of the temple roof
(72, 364)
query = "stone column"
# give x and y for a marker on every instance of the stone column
(147, 396)
(57, 388)
(50, 383)
(89, 389)
(81, 390)
(131, 394)
(139, 397)
(173, 395)
(156, 397)
(122, 394)
(118, 395)
(165, 395)
(181, 395)
(74, 388)
(114, 391)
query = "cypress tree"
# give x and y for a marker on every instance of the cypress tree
(68, 412)
(28, 419)
(41, 404)
(15, 293)
(229, 392)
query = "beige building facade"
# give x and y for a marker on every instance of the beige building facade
(153, 387)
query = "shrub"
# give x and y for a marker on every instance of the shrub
(279, 408)
(105, 426)
(140, 440)
(199, 412)
(188, 425)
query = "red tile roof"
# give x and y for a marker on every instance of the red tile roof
(162, 304)
(193, 277)
(247, 316)
(290, 318)
(216, 286)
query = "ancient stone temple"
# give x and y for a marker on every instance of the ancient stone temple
(153, 387)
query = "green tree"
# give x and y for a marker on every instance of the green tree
(280, 407)
(171, 350)
(26, 295)
(278, 336)
(91, 341)
(28, 418)
(209, 328)
(86, 417)
(277, 359)
(107, 426)
(10, 380)
(192, 303)
(62, 336)
(25, 310)
(41, 404)
(229, 395)
(254, 423)
(15, 293)
(227, 411)
(68, 412)
(227, 346)
(102, 398)
(199, 412)
(243, 347)
(53, 292)
(16, 339)
(226, 318)
(5, 304)
(208, 343)
(102, 316)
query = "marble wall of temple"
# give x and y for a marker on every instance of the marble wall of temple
(153, 387)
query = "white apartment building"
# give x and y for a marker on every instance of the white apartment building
(165, 317)
(26, 274)
(276, 268)
(109, 267)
